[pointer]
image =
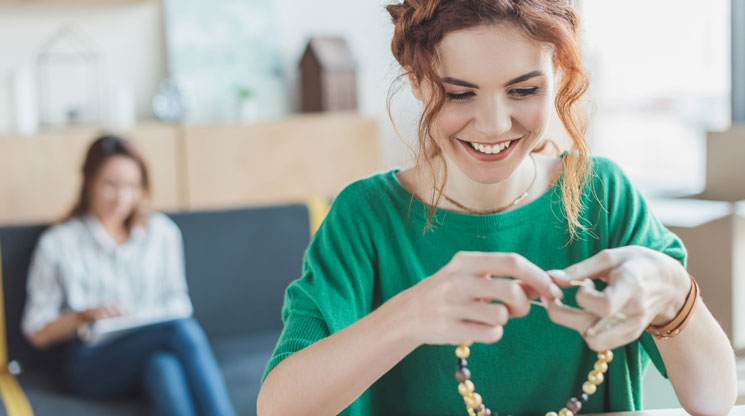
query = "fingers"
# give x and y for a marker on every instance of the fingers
(486, 313)
(105, 312)
(595, 267)
(599, 333)
(508, 291)
(507, 264)
(485, 334)
(623, 332)
(612, 299)
(571, 318)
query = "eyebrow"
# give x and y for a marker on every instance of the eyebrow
(521, 78)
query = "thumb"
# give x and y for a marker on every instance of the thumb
(560, 277)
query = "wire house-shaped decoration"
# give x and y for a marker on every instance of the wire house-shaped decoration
(69, 80)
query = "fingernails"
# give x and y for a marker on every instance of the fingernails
(558, 294)
(559, 274)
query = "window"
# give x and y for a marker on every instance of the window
(660, 79)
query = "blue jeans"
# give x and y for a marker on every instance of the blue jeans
(171, 362)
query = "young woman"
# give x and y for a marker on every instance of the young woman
(453, 250)
(109, 258)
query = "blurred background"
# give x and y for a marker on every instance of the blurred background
(245, 103)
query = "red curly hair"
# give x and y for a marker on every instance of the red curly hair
(420, 25)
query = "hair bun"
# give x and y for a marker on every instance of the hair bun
(412, 13)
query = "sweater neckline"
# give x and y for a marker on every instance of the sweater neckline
(548, 203)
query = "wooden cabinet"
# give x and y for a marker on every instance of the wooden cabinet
(196, 166)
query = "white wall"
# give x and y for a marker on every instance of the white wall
(131, 41)
(129, 38)
(367, 27)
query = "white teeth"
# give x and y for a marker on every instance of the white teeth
(491, 149)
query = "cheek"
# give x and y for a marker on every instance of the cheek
(451, 120)
(534, 115)
(101, 196)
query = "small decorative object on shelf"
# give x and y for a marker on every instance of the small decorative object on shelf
(328, 76)
(247, 105)
(168, 103)
(69, 80)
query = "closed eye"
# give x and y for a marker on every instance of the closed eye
(460, 97)
(524, 92)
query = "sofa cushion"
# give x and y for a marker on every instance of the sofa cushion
(243, 360)
(239, 263)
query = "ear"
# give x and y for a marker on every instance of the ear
(415, 87)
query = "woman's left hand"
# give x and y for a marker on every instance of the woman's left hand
(644, 287)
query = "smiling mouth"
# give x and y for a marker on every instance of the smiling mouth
(490, 149)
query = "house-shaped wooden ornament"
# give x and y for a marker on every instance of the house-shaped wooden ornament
(328, 80)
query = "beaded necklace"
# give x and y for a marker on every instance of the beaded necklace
(500, 209)
(476, 407)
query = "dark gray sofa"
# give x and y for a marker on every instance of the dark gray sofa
(238, 264)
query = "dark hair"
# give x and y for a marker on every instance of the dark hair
(100, 151)
(420, 25)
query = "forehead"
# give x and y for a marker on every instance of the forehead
(491, 54)
(120, 167)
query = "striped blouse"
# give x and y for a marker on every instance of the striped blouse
(77, 265)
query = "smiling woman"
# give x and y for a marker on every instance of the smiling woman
(507, 97)
(454, 250)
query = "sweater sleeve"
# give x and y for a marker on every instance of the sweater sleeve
(174, 299)
(631, 222)
(336, 286)
(45, 297)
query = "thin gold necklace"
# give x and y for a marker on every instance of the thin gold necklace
(510, 205)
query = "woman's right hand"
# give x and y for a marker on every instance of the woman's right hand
(91, 315)
(453, 305)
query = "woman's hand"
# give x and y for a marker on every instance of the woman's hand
(644, 286)
(91, 315)
(453, 305)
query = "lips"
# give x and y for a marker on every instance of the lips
(489, 152)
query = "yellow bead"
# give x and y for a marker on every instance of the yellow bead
(565, 412)
(601, 366)
(606, 356)
(589, 388)
(473, 402)
(552, 414)
(481, 413)
(466, 387)
(462, 352)
(471, 412)
(595, 377)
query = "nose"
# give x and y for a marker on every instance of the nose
(493, 118)
(124, 194)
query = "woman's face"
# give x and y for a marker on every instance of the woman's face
(116, 190)
(499, 87)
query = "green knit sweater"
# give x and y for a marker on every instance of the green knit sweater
(372, 245)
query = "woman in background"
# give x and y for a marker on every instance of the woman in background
(109, 258)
